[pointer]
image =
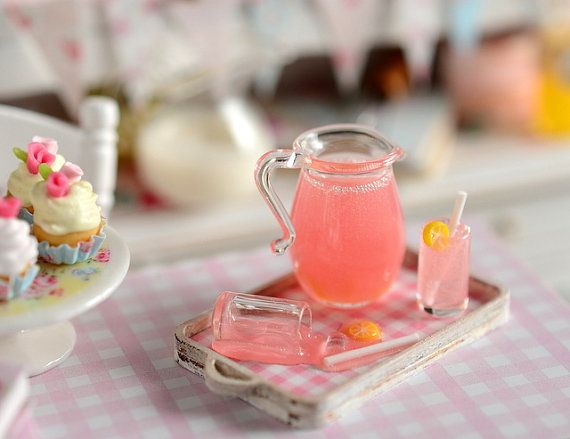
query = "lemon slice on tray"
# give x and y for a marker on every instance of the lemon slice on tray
(436, 235)
(362, 330)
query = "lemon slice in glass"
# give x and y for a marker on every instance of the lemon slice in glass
(436, 235)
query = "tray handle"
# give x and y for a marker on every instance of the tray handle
(227, 381)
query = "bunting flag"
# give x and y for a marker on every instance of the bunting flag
(138, 33)
(56, 29)
(418, 25)
(284, 31)
(214, 29)
(352, 25)
(285, 28)
(464, 24)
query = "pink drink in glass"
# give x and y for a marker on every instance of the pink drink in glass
(350, 236)
(443, 275)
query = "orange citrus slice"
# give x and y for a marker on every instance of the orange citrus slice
(362, 330)
(436, 235)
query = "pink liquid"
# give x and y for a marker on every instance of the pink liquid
(278, 331)
(265, 329)
(259, 342)
(350, 236)
(443, 275)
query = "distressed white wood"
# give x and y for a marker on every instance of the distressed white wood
(225, 376)
(93, 146)
(99, 117)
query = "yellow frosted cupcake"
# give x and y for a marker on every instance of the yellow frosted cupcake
(67, 219)
(26, 175)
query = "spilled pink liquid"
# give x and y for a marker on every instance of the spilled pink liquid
(278, 331)
(350, 236)
(260, 341)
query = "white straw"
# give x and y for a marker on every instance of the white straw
(457, 211)
(376, 348)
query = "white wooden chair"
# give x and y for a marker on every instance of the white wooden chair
(92, 145)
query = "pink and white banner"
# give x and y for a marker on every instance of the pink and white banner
(56, 28)
(214, 30)
(418, 24)
(351, 25)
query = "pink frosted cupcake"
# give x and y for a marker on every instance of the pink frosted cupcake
(26, 176)
(18, 251)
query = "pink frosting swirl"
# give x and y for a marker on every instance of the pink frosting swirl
(9, 207)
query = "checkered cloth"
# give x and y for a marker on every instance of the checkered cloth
(122, 381)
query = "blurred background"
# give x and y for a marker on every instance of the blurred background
(476, 91)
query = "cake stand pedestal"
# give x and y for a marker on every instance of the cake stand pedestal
(35, 330)
(39, 349)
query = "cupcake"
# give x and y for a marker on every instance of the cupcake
(26, 176)
(67, 219)
(18, 251)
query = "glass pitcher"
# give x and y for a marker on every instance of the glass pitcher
(346, 230)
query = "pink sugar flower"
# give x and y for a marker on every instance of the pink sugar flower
(38, 154)
(9, 207)
(50, 144)
(57, 185)
(72, 172)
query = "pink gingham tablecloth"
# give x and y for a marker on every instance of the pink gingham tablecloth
(122, 381)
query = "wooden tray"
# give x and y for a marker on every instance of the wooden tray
(306, 397)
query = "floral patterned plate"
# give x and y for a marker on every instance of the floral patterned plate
(60, 292)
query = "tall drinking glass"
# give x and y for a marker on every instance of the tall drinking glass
(443, 274)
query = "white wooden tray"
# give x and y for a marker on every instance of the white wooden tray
(306, 397)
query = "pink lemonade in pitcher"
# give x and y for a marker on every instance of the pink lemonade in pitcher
(346, 232)
(350, 236)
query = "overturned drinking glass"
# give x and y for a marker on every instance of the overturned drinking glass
(279, 331)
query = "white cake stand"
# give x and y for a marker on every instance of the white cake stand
(35, 330)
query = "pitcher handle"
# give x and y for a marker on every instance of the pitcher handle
(278, 158)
